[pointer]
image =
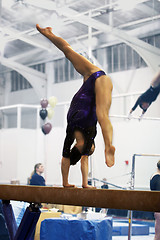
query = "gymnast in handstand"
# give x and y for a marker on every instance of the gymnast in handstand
(149, 96)
(91, 103)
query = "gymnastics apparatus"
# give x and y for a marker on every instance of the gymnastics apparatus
(104, 198)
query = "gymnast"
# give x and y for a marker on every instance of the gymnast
(155, 186)
(91, 103)
(145, 100)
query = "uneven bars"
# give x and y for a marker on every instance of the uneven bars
(133, 117)
(147, 155)
(133, 165)
(96, 179)
(133, 184)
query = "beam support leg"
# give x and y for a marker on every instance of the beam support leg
(28, 222)
(9, 218)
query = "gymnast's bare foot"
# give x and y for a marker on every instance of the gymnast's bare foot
(44, 31)
(87, 186)
(69, 186)
(109, 155)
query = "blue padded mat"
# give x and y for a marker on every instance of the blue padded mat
(64, 229)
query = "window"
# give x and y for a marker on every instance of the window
(109, 59)
(39, 67)
(64, 71)
(122, 57)
(157, 41)
(129, 59)
(18, 82)
(115, 59)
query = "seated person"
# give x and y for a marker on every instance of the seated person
(36, 178)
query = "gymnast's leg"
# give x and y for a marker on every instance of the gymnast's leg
(80, 63)
(65, 166)
(103, 88)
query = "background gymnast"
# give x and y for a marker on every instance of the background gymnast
(91, 103)
(155, 186)
(145, 100)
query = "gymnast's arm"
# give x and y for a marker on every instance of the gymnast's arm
(135, 106)
(103, 89)
(80, 63)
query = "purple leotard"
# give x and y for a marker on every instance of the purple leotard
(82, 115)
(82, 111)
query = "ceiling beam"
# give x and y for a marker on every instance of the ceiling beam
(75, 16)
(14, 35)
(0, 11)
(72, 14)
(27, 54)
(146, 9)
(149, 53)
(53, 6)
(135, 32)
(19, 66)
(36, 78)
(139, 21)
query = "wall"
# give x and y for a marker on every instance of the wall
(130, 137)
(8, 155)
(27, 96)
(21, 149)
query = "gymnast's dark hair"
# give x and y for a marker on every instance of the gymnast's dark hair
(158, 164)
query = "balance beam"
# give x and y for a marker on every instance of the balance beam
(103, 198)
